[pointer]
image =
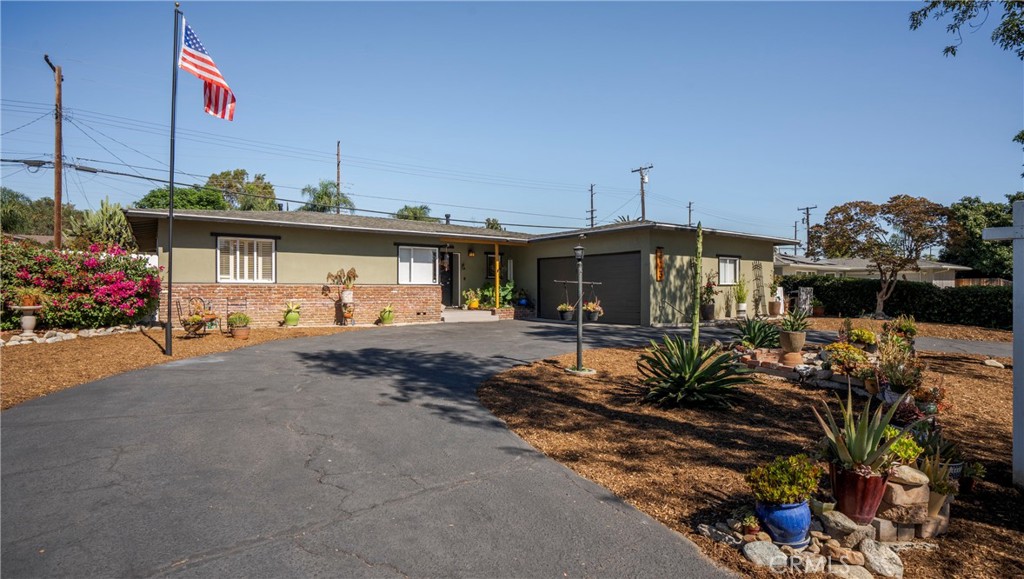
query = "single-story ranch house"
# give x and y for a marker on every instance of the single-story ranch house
(266, 259)
(935, 272)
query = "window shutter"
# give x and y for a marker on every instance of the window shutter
(265, 260)
(225, 256)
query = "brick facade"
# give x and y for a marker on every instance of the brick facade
(516, 313)
(264, 303)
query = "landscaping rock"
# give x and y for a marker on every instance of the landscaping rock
(723, 527)
(749, 538)
(907, 475)
(811, 563)
(71, 337)
(881, 560)
(885, 530)
(764, 554)
(934, 526)
(844, 530)
(901, 546)
(716, 535)
(820, 536)
(50, 334)
(52, 340)
(85, 333)
(816, 525)
(904, 502)
(850, 572)
(762, 536)
(734, 524)
(994, 363)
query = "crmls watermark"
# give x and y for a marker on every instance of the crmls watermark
(808, 563)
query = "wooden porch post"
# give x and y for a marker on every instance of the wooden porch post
(497, 279)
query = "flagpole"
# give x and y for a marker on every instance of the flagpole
(170, 190)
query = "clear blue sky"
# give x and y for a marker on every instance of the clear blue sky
(749, 110)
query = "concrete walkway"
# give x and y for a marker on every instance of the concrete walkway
(359, 454)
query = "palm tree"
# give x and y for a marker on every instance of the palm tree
(415, 213)
(325, 197)
(493, 223)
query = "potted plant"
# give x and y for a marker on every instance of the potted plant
(750, 525)
(593, 310)
(707, 298)
(238, 325)
(972, 472)
(739, 292)
(844, 358)
(817, 308)
(565, 311)
(345, 279)
(30, 296)
(902, 326)
(472, 298)
(940, 486)
(868, 374)
(386, 315)
(347, 313)
(935, 444)
(774, 304)
(863, 339)
(291, 313)
(782, 489)
(860, 457)
(907, 413)
(793, 332)
(898, 368)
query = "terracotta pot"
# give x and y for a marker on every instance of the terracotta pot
(240, 332)
(818, 311)
(857, 496)
(774, 308)
(707, 312)
(792, 341)
(871, 385)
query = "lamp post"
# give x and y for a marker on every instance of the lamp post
(578, 250)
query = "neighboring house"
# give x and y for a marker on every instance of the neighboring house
(936, 272)
(268, 258)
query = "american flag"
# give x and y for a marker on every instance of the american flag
(219, 100)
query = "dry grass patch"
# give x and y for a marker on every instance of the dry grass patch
(686, 466)
(923, 329)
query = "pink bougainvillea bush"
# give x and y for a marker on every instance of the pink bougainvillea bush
(103, 286)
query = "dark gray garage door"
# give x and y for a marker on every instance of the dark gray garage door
(619, 274)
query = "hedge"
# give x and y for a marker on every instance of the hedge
(986, 306)
(103, 286)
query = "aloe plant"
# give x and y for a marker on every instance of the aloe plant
(758, 333)
(678, 374)
(861, 444)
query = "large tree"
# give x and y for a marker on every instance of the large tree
(415, 213)
(493, 223)
(18, 214)
(106, 226)
(242, 193)
(967, 218)
(891, 235)
(184, 198)
(325, 198)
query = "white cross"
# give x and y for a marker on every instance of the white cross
(1016, 233)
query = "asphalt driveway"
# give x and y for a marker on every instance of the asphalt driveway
(359, 454)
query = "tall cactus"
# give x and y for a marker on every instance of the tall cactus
(695, 332)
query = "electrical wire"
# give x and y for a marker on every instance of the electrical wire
(41, 117)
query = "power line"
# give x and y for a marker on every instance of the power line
(41, 117)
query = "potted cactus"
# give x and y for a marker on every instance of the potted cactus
(291, 313)
(387, 315)
(793, 331)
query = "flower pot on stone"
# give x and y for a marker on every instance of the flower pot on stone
(741, 311)
(707, 312)
(786, 524)
(857, 496)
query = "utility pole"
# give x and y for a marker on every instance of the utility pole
(591, 205)
(795, 224)
(689, 214)
(643, 179)
(807, 222)
(337, 208)
(58, 157)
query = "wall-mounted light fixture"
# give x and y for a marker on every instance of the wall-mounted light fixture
(659, 263)
(471, 253)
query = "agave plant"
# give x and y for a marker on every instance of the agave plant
(758, 333)
(861, 444)
(678, 373)
(795, 321)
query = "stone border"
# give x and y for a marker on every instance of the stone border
(54, 336)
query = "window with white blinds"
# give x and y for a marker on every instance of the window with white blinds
(417, 265)
(241, 260)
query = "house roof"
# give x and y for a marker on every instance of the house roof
(637, 225)
(855, 264)
(342, 222)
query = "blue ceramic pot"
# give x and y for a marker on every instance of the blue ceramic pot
(786, 524)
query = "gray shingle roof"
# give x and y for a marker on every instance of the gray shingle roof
(853, 263)
(333, 221)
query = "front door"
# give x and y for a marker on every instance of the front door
(449, 275)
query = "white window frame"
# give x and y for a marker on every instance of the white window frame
(414, 249)
(723, 260)
(234, 273)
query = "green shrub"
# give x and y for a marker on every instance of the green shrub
(785, 480)
(758, 333)
(679, 374)
(986, 306)
(238, 320)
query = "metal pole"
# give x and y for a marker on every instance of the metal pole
(579, 313)
(168, 350)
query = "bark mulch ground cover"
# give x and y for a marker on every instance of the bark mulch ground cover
(930, 330)
(35, 370)
(686, 466)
